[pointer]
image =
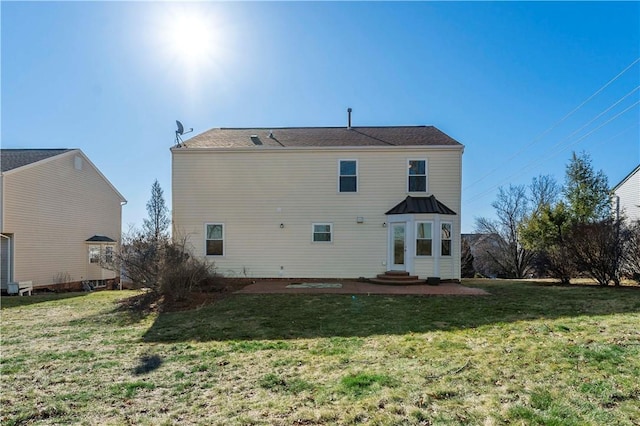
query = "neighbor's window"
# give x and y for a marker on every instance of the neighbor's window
(322, 233)
(424, 240)
(108, 254)
(348, 176)
(214, 239)
(417, 173)
(94, 254)
(445, 238)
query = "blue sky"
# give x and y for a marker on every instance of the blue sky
(503, 78)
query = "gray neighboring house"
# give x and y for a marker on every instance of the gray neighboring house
(628, 192)
(59, 217)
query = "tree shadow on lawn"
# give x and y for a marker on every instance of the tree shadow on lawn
(296, 316)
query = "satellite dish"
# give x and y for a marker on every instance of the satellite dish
(180, 132)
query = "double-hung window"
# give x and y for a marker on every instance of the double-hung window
(322, 232)
(348, 176)
(108, 254)
(424, 239)
(445, 239)
(94, 254)
(214, 239)
(417, 176)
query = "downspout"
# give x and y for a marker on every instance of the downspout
(9, 277)
(437, 250)
(119, 273)
(9, 272)
(1, 202)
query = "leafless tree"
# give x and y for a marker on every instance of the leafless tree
(631, 252)
(596, 249)
(545, 191)
(505, 249)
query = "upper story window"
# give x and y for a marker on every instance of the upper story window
(417, 175)
(348, 176)
(214, 239)
(424, 239)
(322, 232)
(445, 239)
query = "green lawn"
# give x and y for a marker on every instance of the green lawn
(528, 354)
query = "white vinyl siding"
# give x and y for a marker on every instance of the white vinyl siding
(54, 201)
(417, 175)
(297, 187)
(629, 193)
(348, 176)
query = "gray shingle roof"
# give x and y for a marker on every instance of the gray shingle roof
(321, 137)
(100, 239)
(13, 158)
(420, 205)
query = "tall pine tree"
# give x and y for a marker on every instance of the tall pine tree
(156, 227)
(586, 191)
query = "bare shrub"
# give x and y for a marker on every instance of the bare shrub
(181, 272)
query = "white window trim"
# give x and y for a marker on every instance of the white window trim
(449, 239)
(433, 246)
(224, 240)
(313, 225)
(426, 175)
(356, 176)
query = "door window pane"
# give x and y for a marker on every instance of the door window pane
(398, 244)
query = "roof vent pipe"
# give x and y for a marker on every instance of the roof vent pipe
(349, 118)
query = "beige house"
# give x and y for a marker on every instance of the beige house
(59, 217)
(325, 202)
(628, 194)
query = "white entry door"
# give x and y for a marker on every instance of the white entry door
(398, 249)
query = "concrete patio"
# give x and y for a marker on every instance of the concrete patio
(356, 287)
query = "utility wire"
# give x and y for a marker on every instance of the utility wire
(569, 114)
(526, 168)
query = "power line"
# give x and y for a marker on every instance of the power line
(529, 166)
(569, 114)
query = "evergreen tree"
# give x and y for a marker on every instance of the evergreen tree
(586, 191)
(156, 227)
